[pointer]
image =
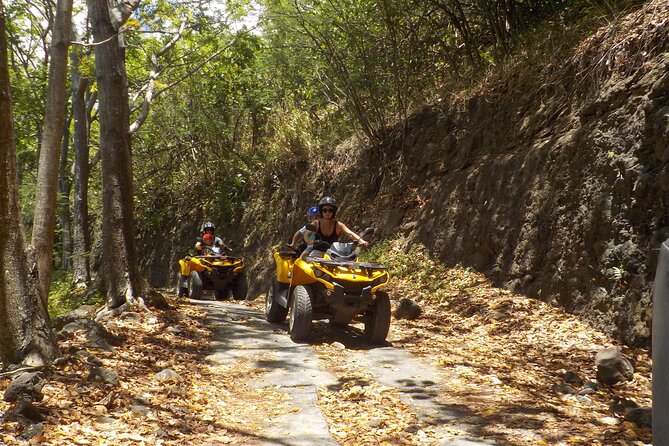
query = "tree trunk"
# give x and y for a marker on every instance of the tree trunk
(120, 271)
(25, 332)
(47, 174)
(64, 188)
(81, 245)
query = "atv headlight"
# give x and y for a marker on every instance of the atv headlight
(320, 274)
(383, 278)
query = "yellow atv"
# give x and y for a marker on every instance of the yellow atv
(329, 284)
(222, 273)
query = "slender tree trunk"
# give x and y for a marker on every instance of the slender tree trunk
(81, 246)
(25, 332)
(64, 188)
(47, 174)
(120, 271)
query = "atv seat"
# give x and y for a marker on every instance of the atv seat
(289, 252)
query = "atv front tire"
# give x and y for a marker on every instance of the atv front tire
(182, 285)
(274, 311)
(377, 322)
(240, 287)
(195, 285)
(299, 323)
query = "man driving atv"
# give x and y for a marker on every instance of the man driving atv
(208, 243)
(298, 238)
(328, 229)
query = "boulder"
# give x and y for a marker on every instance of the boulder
(612, 366)
(407, 309)
(83, 312)
(102, 374)
(641, 416)
(25, 386)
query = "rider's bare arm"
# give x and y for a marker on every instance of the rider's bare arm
(307, 234)
(296, 239)
(352, 234)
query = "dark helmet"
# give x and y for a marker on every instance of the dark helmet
(208, 225)
(327, 201)
(313, 211)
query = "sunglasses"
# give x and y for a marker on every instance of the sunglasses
(328, 210)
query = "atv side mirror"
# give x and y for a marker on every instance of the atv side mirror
(366, 232)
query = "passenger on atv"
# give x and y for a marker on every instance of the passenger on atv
(298, 243)
(327, 228)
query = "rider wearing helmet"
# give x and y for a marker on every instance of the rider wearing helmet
(207, 242)
(298, 238)
(328, 229)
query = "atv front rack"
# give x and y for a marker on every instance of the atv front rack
(346, 263)
(219, 257)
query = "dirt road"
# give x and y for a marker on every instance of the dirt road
(338, 360)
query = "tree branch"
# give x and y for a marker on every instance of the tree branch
(122, 11)
(155, 71)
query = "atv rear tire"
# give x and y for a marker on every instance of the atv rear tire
(274, 311)
(240, 287)
(299, 323)
(377, 322)
(195, 285)
(182, 285)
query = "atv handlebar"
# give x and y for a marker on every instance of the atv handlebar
(326, 245)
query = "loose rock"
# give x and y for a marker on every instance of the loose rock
(612, 366)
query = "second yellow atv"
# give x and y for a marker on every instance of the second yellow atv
(222, 273)
(334, 286)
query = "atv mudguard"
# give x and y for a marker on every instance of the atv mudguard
(303, 274)
(189, 264)
(281, 291)
(284, 266)
(184, 266)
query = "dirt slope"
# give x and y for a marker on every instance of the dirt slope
(552, 180)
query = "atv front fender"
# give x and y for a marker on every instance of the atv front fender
(190, 264)
(184, 267)
(284, 267)
(303, 274)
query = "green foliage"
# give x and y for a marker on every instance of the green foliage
(367, 64)
(63, 297)
(417, 272)
(237, 108)
(487, 56)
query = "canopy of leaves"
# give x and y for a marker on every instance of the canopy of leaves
(230, 106)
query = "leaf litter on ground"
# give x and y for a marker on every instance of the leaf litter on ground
(499, 354)
(504, 356)
(202, 403)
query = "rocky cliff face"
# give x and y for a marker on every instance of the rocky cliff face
(556, 185)
(554, 181)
